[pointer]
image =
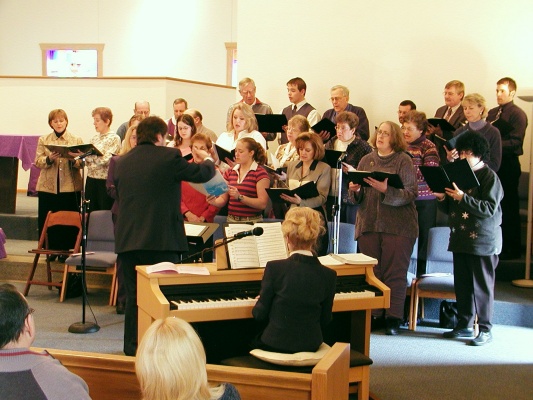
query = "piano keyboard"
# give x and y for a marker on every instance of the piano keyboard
(250, 301)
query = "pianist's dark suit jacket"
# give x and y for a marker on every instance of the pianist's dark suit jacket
(296, 299)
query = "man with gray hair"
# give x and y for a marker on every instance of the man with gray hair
(340, 95)
(27, 374)
(247, 91)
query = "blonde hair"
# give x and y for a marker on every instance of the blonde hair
(477, 100)
(170, 363)
(249, 117)
(300, 122)
(302, 227)
(126, 146)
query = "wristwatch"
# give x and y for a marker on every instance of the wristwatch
(240, 197)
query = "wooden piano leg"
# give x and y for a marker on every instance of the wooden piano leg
(143, 323)
(360, 332)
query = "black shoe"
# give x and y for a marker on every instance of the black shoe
(62, 259)
(52, 257)
(121, 308)
(392, 326)
(481, 339)
(459, 333)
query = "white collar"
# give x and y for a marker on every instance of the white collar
(302, 252)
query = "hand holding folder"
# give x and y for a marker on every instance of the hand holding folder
(357, 177)
(458, 172)
(306, 191)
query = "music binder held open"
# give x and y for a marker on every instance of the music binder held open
(255, 251)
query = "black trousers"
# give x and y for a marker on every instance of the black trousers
(473, 278)
(129, 260)
(427, 219)
(96, 192)
(509, 174)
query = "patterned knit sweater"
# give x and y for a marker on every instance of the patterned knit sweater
(425, 153)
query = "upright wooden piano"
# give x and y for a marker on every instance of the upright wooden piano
(225, 322)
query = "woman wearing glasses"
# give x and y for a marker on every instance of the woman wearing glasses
(348, 141)
(424, 153)
(386, 226)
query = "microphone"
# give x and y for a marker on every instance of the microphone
(342, 157)
(254, 232)
(83, 155)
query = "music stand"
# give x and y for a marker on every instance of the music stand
(198, 233)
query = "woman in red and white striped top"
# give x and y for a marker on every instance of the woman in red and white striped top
(247, 182)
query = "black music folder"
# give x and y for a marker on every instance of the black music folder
(325, 125)
(439, 178)
(441, 142)
(442, 123)
(503, 126)
(223, 153)
(358, 176)
(306, 191)
(277, 171)
(271, 122)
(332, 158)
(64, 150)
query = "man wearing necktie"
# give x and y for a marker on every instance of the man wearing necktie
(511, 121)
(451, 111)
(296, 89)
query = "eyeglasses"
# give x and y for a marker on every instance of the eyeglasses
(342, 128)
(381, 133)
(336, 98)
(409, 128)
(184, 128)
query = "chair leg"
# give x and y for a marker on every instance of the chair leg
(414, 318)
(64, 285)
(31, 275)
(113, 294)
(48, 271)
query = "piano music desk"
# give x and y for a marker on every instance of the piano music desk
(152, 303)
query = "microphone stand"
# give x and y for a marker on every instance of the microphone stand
(336, 208)
(212, 249)
(83, 327)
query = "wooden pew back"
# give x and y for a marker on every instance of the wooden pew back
(113, 377)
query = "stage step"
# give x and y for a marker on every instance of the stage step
(23, 224)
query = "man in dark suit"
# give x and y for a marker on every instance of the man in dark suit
(451, 111)
(149, 226)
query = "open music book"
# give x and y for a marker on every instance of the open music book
(166, 267)
(350, 258)
(256, 251)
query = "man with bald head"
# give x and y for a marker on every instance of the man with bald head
(200, 128)
(340, 95)
(179, 106)
(141, 108)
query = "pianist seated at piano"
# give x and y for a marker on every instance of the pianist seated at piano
(296, 297)
(247, 181)
(171, 362)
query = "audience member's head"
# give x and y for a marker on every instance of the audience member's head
(259, 153)
(340, 95)
(478, 102)
(57, 115)
(152, 130)
(170, 363)
(414, 125)
(505, 90)
(102, 117)
(142, 108)
(17, 328)
(404, 107)
(199, 142)
(179, 106)
(454, 92)
(394, 133)
(135, 119)
(242, 119)
(185, 128)
(247, 90)
(314, 141)
(296, 88)
(302, 227)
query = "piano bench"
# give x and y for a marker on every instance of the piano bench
(359, 372)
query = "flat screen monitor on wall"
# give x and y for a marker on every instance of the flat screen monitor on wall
(72, 60)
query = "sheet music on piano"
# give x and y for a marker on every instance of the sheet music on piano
(349, 258)
(256, 251)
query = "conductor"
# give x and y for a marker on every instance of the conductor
(149, 227)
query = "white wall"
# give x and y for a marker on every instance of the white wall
(175, 38)
(386, 51)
